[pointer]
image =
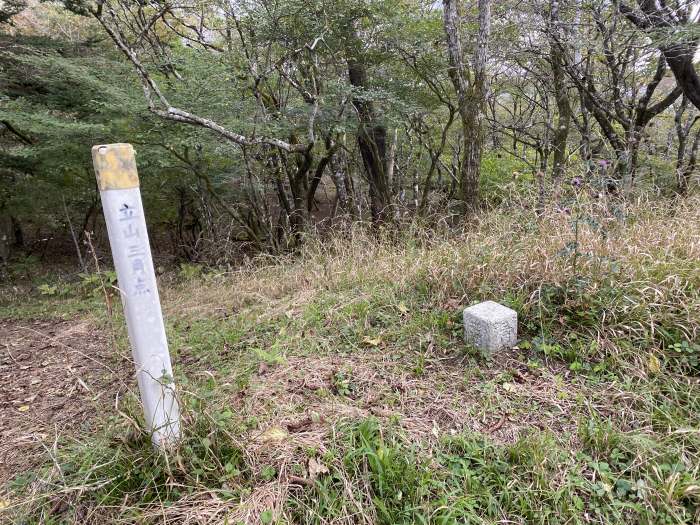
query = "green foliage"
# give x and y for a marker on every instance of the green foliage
(58, 98)
(97, 284)
(189, 272)
(60, 101)
(48, 289)
(342, 383)
(502, 176)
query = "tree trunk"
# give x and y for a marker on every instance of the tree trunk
(689, 168)
(18, 232)
(371, 139)
(341, 191)
(680, 60)
(679, 55)
(631, 158)
(391, 161)
(473, 137)
(298, 184)
(471, 93)
(684, 169)
(5, 238)
(561, 94)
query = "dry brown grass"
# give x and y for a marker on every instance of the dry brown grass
(505, 251)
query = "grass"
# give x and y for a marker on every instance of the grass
(333, 386)
(469, 479)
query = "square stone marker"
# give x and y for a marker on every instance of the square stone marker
(490, 326)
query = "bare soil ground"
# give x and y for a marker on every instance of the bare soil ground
(54, 377)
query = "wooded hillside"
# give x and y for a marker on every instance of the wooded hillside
(257, 123)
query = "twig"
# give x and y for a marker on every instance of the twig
(72, 234)
(498, 425)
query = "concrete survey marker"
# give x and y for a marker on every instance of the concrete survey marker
(115, 168)
(490, 326)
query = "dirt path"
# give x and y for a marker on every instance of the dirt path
(54, 376)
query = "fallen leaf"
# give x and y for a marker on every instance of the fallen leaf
(498, 424)
(299, 425)
(274, 435)
(452, 304)
(654, 365)
(402, 308)
(316, 468)
(4, 503)
(508, 387)
(23, 408)
(372, 341)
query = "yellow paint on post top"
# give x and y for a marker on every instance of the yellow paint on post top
(115, 166)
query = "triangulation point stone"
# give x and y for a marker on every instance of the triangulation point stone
(490, 326)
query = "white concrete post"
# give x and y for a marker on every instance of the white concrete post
(118, 181)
